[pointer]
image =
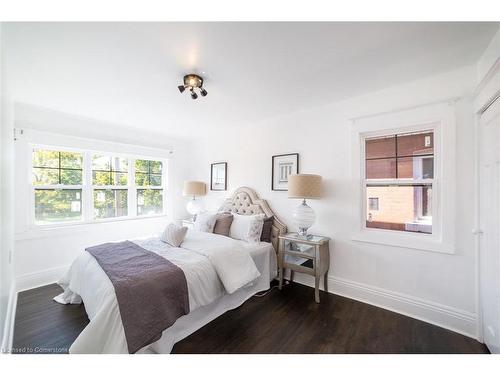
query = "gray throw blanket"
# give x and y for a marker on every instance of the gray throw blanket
(151, 291)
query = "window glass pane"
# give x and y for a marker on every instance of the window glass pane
(119, 178)
(119, 164)
(53, 206)
(101, 162)
(402, 208)
(416, 167)
(72, 160)
(156, 166)
(380, 147)
(155, 179)
(415, 144)
(109, 163)
(45, 176)
(148, 172)
(109, 170)
(149, 201)
(46, 158)
(141, 179)
(142, 166)
(381, 168)
(55, 167)
(110, 203)
(101, 178)
(71, 177)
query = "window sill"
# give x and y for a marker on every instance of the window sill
(415, 241)
(49, 230)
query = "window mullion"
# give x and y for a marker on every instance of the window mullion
(164, 185)
(132, 189)
(88, 194)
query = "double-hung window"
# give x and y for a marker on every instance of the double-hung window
(110, 183)
(86, 186)
(405, 164)
(149, 182)
(398, 184)
(58, 182)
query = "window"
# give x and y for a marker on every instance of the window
(114, 186)
(110, 178)
(399, 173)
(148, 175)
(57, 180)
(373, 204)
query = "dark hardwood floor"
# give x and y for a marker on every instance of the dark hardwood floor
(45, 326)
(281, 322)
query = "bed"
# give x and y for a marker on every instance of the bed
(208, 292)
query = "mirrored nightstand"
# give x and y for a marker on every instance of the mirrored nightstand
(187, 223)
(309, 255)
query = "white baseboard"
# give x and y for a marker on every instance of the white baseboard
(40, 278)
(456, 320)
(8, 332)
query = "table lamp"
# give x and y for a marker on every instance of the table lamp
(195, 189)
(304, 186)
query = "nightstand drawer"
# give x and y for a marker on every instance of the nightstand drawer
(299, 248)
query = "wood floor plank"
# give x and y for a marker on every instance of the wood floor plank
(287, 321)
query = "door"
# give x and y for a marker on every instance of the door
(489, 218)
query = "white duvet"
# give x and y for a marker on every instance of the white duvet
(215, 266)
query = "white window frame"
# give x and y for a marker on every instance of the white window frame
(33, 187)
(88, 187)
(440, 118)
(399, 181)
(161, 187)
(128, 187)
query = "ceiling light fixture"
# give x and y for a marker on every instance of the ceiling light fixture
(192, 82)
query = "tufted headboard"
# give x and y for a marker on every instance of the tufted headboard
(245, 201)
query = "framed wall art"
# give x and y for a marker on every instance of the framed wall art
(283, 166)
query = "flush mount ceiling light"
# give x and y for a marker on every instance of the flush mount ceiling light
(192, 82)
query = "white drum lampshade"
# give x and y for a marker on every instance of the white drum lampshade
(194, 189)
(304, 186)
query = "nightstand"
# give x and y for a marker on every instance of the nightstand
(187, 223)
(309, 255)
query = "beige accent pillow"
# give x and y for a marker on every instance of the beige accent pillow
(247, 227)
(205, 222)
(174, 235)
(223, 224)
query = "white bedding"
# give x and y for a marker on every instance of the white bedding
(221, 273)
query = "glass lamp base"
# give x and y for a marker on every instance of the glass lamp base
(193, 207)
(303, 217)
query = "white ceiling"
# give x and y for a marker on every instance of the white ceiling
(128, 73)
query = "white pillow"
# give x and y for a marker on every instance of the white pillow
(247, 227)
(205, 222)
(174, 235)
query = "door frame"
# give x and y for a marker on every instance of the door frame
(477, 231)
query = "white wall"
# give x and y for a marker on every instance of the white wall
(489, 57)
(436, 287)
(7, 297)
(42, 255)
(488, 74)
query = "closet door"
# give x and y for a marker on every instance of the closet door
(489, 216)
